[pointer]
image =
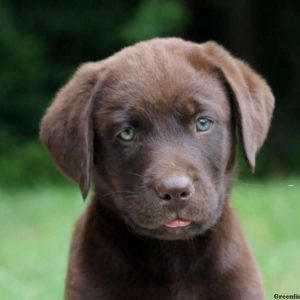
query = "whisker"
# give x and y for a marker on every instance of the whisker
(135, 174)
(131, 196)
(125, 192)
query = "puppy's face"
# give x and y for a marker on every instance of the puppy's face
(164, 145)
(155, 125)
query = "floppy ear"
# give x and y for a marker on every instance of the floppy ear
(253, 98)
(67, 129)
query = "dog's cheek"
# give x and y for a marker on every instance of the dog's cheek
(212, 186)
(108, 174)
(145, 211)
(125, 174)
(221, 156)
(206, 200)
(220, 149)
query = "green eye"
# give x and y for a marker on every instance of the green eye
(127, 135)
(203, 124)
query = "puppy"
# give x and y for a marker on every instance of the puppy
(154, 128)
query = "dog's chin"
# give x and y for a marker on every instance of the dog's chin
(172, 233)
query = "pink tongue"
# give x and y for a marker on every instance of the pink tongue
(178, 223)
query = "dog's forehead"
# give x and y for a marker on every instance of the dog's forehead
(159, 77)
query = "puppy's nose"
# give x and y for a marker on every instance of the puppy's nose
(175, 188)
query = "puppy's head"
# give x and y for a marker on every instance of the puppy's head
(155, 126)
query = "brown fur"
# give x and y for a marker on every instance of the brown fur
(122, 248)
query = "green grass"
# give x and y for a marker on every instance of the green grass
(270, 215)
(35, 229)
(36, 225)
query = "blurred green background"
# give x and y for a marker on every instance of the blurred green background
(43, 42)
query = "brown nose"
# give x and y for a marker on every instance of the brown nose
(175, 188)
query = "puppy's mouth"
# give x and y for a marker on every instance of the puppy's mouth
(175, 223)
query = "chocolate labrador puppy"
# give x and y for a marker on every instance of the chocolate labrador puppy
(154, 128)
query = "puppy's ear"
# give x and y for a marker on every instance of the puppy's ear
(253, 98)
(67, 129)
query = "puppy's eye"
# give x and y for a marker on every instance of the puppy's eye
(127, 135)
(204, 124)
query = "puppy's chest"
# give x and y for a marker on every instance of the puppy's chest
(163, 277)
(180, 291)
(160, 291)
(144, 287)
